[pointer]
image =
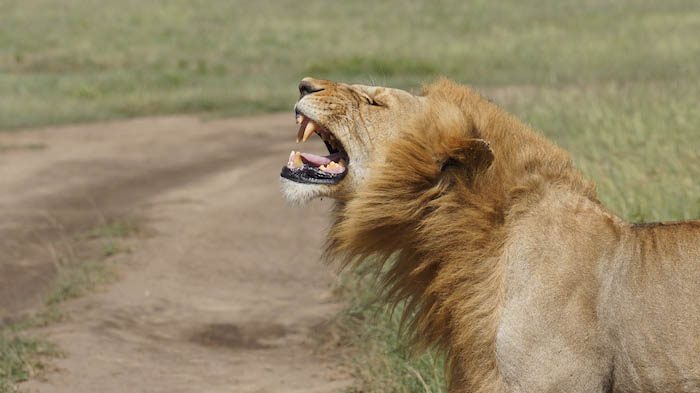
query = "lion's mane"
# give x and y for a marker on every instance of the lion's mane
(434, 218)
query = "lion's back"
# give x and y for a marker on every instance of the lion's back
(651, 308)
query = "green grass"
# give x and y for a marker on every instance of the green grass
(613, 82)
(73, 281)
(20, 358)
(381, 361)
(643, 152)
(84, 60)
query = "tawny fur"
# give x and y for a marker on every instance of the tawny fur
(446, 230)
(505, 257)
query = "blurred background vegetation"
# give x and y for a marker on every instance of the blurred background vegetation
(614, 82)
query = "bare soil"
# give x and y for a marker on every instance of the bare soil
(226, 293)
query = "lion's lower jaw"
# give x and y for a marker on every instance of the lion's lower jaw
(299, 194)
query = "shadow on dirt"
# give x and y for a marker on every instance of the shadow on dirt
(251, 336)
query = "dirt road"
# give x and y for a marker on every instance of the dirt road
(225, 293)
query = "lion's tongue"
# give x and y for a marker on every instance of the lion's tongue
(332, 163)
(315, 160)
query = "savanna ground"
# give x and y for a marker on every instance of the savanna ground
(613, 82)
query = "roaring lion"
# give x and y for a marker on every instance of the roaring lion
(499, 246)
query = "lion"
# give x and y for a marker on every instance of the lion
(505, 257)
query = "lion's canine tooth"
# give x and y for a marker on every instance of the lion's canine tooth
(310, 128)
(300, 133)
(342, 162)
(300, 118)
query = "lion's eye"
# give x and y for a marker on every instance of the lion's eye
(372, 101)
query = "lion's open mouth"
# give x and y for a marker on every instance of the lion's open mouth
(311, 168)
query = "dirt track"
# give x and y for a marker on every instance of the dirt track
(225, 293)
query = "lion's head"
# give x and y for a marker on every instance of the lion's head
(354, 122)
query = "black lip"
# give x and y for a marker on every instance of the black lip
(311, 175)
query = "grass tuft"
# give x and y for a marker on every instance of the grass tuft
(73, 281)
(382, 361)
(20, 358)
(77, 275)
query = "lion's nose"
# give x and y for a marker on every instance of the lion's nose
(306, 86)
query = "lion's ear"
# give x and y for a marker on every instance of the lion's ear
(472, 155)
